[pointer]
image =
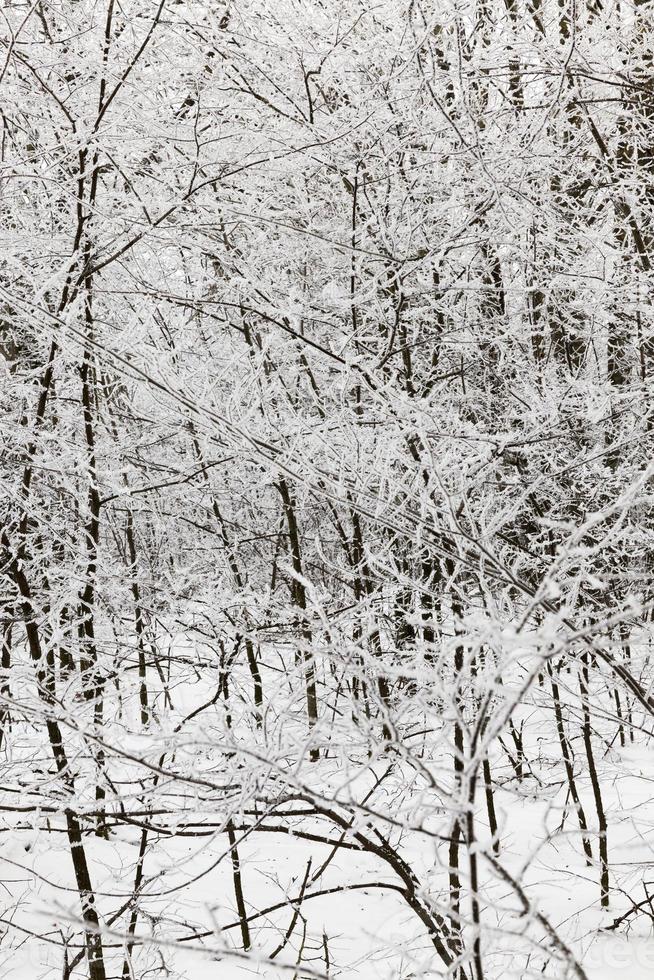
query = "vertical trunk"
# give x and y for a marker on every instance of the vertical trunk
(233, 846)
(5, 689)
(535, 299)
(515, 81)
(253, 664)
(475, 908)
(139, 624)
(365, 586)
(92, 682)
(44, 664)
(238, 886)
(133, 919)
(490, 804)
(298, 592)
(456, 833)
(595, 783)
(569, 769)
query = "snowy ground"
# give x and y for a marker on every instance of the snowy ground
(364, 933)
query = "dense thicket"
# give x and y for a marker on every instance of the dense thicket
(327, 358)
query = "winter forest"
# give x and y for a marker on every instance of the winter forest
(326, 524)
